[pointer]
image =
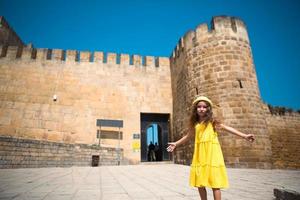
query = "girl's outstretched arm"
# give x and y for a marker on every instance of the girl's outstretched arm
(249, 137)
(184, 139)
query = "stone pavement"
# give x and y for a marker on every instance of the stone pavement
(136, 182)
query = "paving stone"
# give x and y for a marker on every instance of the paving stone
(137, 182)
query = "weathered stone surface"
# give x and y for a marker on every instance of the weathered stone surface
(285, 194)
(85, 91)
(218, 64)
(28, 153)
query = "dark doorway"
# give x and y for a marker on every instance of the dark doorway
(154, 137)
(95, 160)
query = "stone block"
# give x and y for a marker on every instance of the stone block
(285, 194)
(98, 57)
(85, 56)
(26, 53)
(111, 58)
(124, 59)
(57, 54)
(150, 61)
(71, 55)
(137, 60)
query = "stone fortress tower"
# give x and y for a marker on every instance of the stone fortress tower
(218, 63)
(145, 93)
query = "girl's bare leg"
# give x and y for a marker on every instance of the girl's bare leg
(202, 192)
(217, 193)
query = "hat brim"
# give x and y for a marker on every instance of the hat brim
(203, 98)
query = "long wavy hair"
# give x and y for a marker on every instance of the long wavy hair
(208, 117)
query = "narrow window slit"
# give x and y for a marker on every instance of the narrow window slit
(240, 83)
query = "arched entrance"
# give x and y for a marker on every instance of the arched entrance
(154, 141)
(154, 137)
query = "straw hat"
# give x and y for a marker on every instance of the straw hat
(202, 98)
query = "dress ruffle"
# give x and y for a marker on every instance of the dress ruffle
(208, 176)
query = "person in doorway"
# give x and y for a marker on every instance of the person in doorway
(151, 152)
(208, 167)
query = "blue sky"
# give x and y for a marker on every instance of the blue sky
(154, 27)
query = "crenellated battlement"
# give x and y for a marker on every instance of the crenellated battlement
(28, 53)
(225, 23)
(230, 27)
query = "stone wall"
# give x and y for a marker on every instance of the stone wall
(88, 87)
(26, 153)
(284, 132)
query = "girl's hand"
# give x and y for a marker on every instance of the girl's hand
(171, 147)
(249, 137)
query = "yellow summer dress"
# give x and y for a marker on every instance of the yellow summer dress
(208, 167)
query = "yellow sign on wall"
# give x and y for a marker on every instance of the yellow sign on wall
(136, 145)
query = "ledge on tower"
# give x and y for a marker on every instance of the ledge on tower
(223, 23)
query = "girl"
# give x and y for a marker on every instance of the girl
(208, 168)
